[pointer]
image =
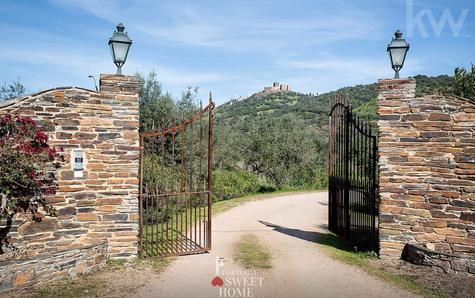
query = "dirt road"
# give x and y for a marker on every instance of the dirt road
(288, 226)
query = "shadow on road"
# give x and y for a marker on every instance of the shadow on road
(327, 239)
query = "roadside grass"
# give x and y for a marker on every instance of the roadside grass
(337, 249)
(98, 283)
(82, 287)
(251, 254)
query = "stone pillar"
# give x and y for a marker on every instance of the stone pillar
(427, 167)
(393, 102)
(122, 220)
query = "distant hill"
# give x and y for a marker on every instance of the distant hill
(313, 109)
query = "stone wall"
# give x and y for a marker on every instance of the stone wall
(427, 170)
(44, 268)
(99, 203)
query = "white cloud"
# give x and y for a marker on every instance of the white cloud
(237, 26)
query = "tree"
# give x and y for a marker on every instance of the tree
(12, 90)
(284, 153)
(186, 105)
(157, 106)
(464, 82)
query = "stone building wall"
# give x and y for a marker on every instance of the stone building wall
(99, 204)
(427, 171)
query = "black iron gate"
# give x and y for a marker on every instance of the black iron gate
(175, 186)
(352, 173)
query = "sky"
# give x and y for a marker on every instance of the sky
(232, 47)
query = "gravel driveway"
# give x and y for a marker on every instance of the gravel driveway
(287, 225)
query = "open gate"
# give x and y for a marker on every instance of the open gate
(352, 173)
(175, 187)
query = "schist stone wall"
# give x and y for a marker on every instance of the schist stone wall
(427, 171)
(96, 201)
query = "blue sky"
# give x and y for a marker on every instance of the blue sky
(232, 47)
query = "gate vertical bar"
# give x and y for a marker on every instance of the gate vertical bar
(210, 160)
(347, 173)
(330, 171)
(374, 194)
(141, 194)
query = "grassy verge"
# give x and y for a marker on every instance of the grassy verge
(251, 254)
(337, 249)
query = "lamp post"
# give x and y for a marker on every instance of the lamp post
(119, 44)
(397, 50)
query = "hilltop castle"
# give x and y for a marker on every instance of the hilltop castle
(277, 87)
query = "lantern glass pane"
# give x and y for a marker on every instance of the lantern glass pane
(397, 56)
(112, 52)
(119, 51)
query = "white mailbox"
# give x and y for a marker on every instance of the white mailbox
(78, 162)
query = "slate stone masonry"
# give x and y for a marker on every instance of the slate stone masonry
(427, 171)
(58, 265)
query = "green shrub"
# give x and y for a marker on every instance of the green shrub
(266, 186)
(464, 82)
(321, 179)
(232, 184)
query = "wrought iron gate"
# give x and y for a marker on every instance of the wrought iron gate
(175, 187)
(352, 173)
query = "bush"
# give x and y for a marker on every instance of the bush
(321, 179)
(232, 184)
(26, 172)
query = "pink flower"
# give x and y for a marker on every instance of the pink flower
(52, 153)
(49, 190)
(41, 136)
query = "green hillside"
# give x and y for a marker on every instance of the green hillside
(311, 108)
(282, 137)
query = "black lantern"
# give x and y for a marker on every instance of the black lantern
(397, 52)
(119, 44)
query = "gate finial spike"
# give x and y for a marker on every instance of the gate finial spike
(210, 97)
(201, 104)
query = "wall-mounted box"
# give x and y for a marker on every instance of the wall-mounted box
(78, 162)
